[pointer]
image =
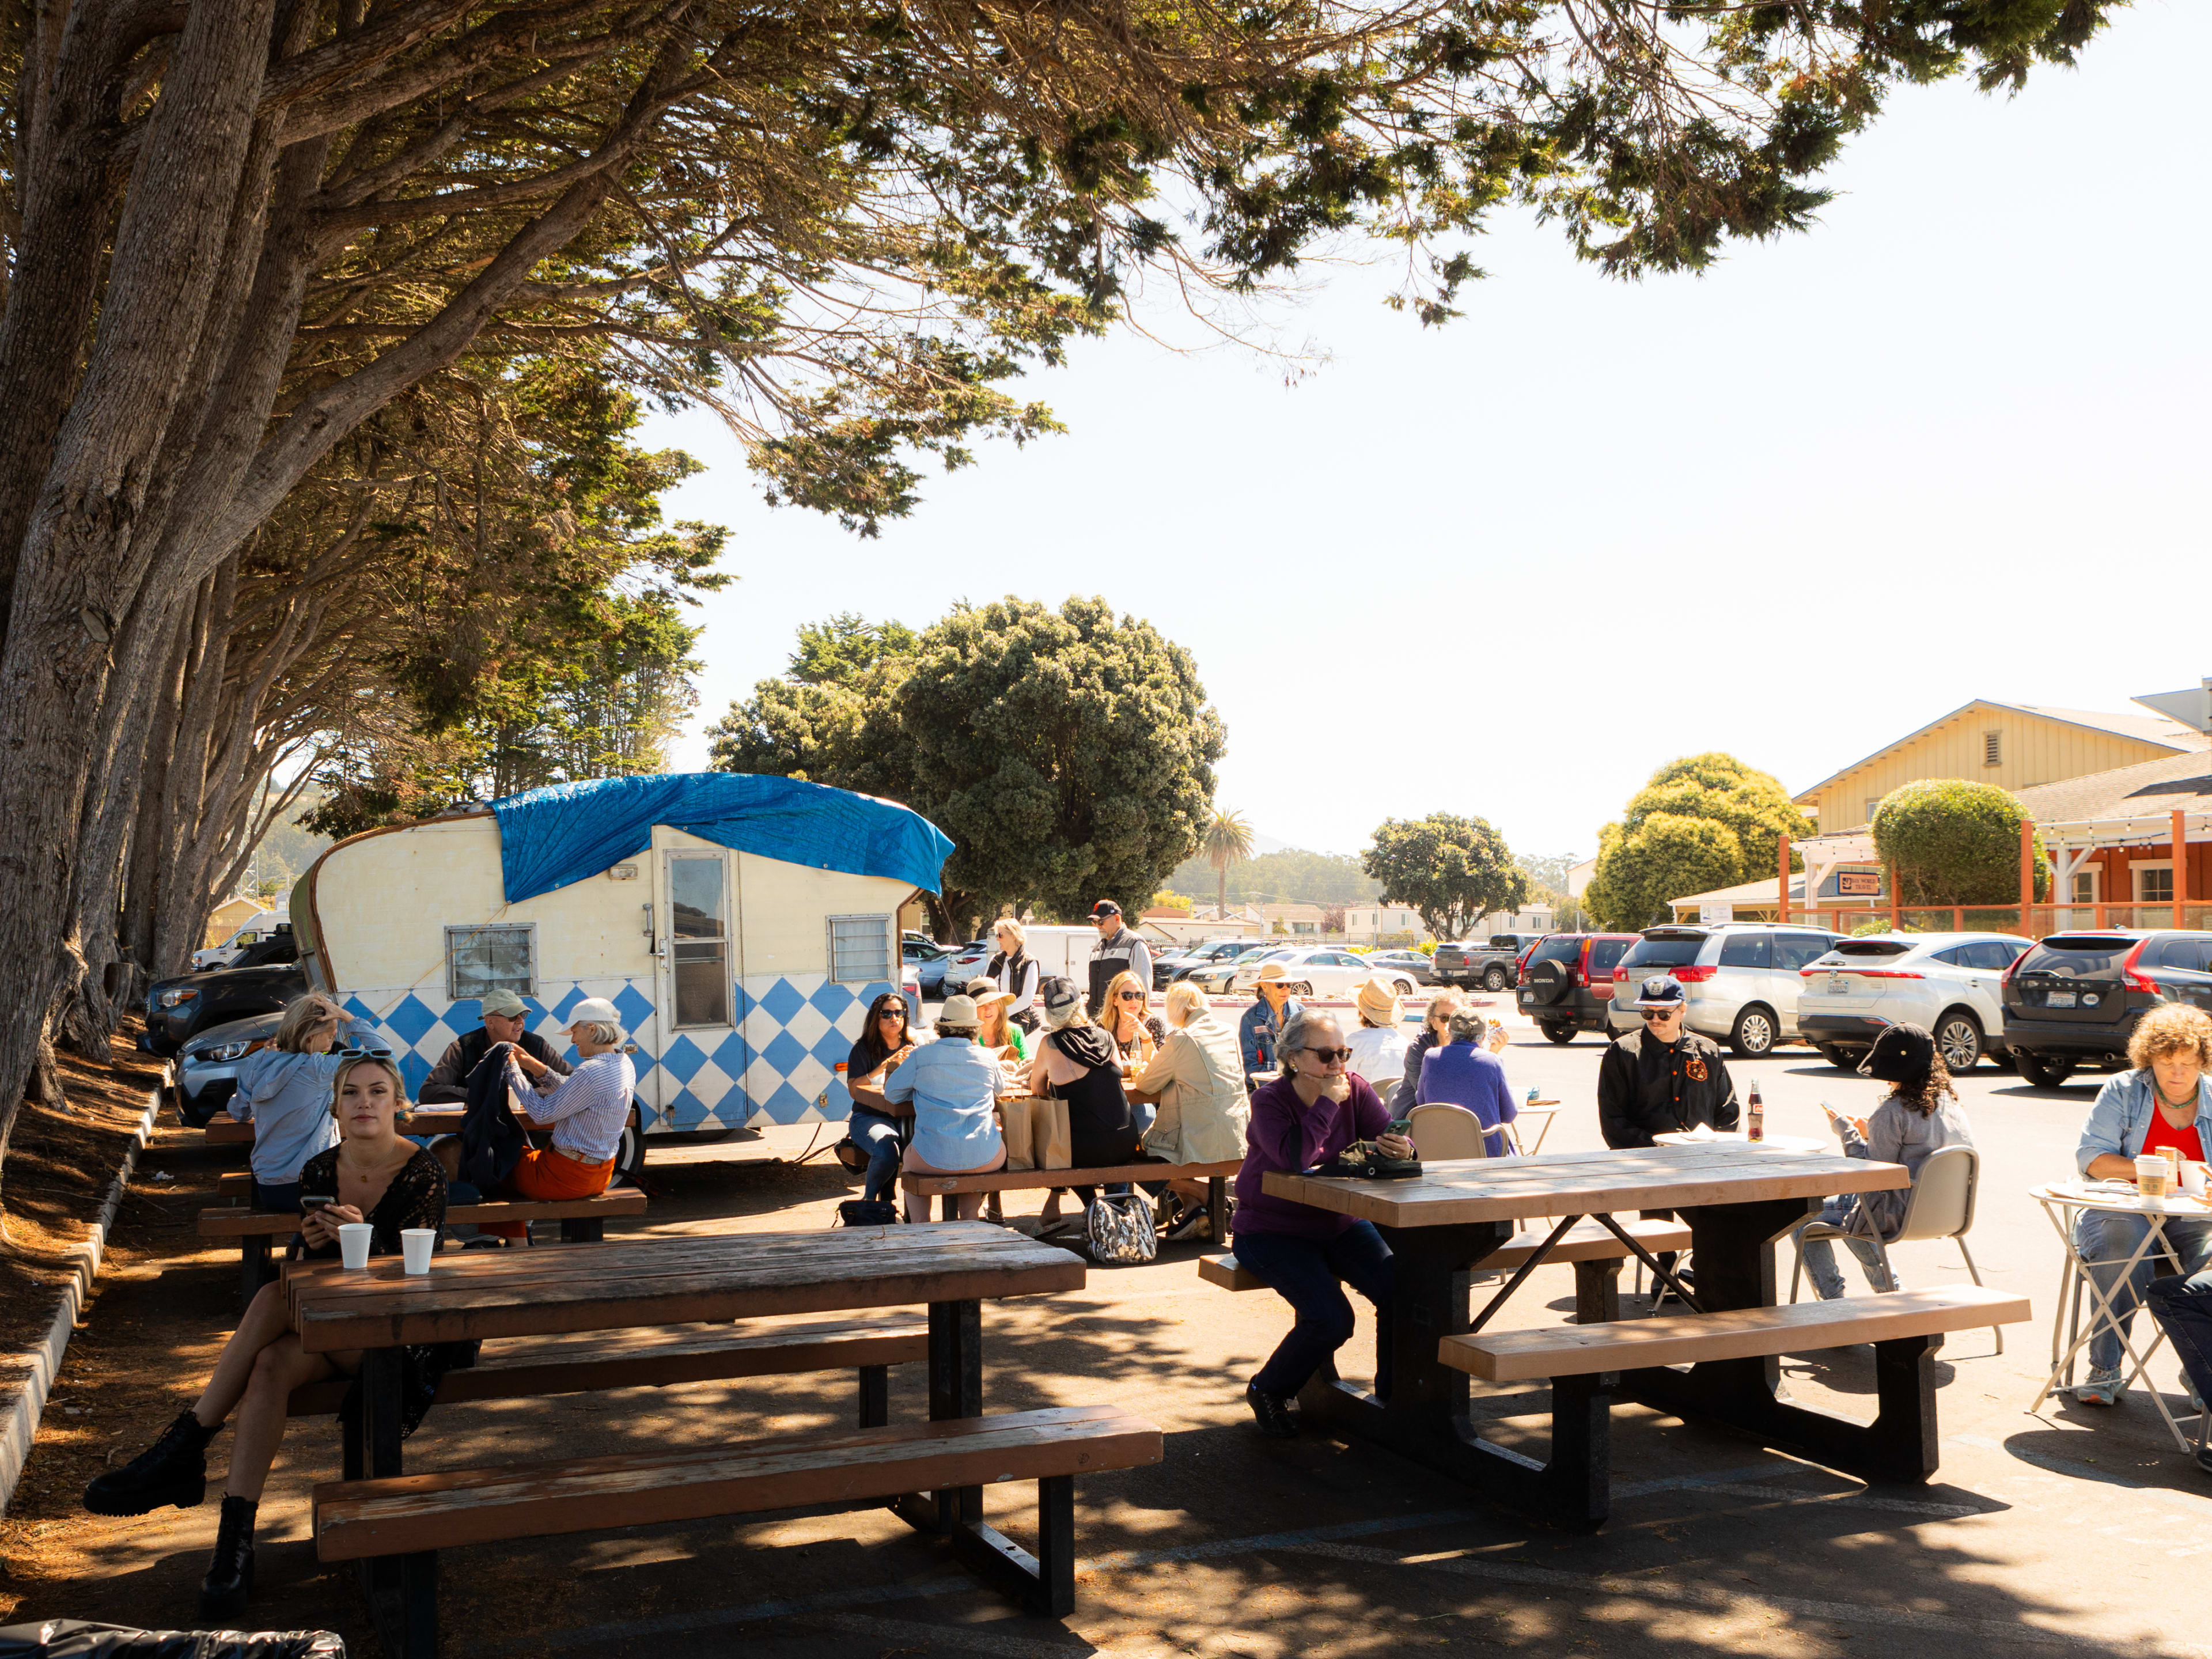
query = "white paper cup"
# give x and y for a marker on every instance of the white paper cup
(354, 1237)
(415, 1246)
(2154, 1176)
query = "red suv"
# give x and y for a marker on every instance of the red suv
(1566, 982)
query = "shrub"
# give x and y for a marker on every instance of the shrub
(1952, 842)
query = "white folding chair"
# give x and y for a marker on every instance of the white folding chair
(1941, 1206)
(1442, 1131)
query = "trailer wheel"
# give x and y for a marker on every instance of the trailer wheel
(629, 1156)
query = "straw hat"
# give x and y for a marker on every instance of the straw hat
(1274, 971)
(958, 1011)
(989, 993)
(1378, 1003)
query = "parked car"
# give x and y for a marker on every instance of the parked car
(251, 932)
(961, 961)
(1740, 978)
(207, 1065)
(1323, 970)
(1494, 964)
(1566, 982)
(1951, 983)
(1210, 954)
(1406, 962)
(265, 978)
(2074, 998)
(1213, 977)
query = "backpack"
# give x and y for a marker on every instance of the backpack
(1118, 1230)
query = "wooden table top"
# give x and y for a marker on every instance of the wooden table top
(668, 1281)
(1452, 1193)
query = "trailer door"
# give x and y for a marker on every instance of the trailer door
(702, 1051)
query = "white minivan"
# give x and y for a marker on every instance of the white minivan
(1740, 978)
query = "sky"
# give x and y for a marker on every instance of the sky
(1949, 444)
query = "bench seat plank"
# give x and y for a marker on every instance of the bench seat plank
(358, 1520)
(232, 1222)
(1736, 1333)
(1005, 1181)
(1587, 1241)
(519, 1367)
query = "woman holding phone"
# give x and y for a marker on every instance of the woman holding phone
(374, 1175)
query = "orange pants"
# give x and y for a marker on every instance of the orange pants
(549, 1174)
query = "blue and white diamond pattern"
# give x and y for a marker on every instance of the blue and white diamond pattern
(792, 1031)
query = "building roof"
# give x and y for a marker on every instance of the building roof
(2142, 727)
(1747, 892)
(2170, 783)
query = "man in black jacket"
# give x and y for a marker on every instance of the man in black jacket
(1662, 1078)
(504, 1017)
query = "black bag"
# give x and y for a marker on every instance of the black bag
(73, 1638)
(866, 1213)
(491, 1140)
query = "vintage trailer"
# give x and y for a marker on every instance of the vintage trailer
(740, 924)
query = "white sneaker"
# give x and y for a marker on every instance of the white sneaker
(2103, 1388)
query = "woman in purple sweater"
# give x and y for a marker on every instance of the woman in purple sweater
(1308, 1116)
(1461, 1074)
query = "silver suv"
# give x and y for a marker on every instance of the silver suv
(1740, 978)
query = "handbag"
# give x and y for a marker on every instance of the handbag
(866, 1213)
(1118, 1230)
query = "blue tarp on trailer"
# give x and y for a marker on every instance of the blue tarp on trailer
(569, 832)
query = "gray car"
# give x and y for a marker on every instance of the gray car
(207, 1065)
(1742, 978)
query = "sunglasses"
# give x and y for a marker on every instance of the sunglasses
(891, 1014)
(1132, 996)
(1331, 1056)
(1659, 1016)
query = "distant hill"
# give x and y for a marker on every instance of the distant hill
(1281, 875)
(286, 852)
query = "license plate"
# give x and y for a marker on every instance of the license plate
(2059, 1000)
(1835, 984)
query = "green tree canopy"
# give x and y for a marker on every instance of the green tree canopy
(1954, 842)
(1713, 822)
(1454, 870)
(1068, 753)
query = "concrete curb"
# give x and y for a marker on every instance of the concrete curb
(19, 1426)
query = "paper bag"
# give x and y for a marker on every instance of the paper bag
(1014, 1123)
(1050, 1138)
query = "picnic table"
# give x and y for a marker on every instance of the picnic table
(1737, 1200)
(686, 1281)
(224, 1130)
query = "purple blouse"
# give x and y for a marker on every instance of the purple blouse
(1285, 1135)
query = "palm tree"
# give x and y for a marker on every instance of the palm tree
(1228, 839)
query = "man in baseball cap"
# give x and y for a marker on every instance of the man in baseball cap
(505, 1015)
(1664, 1077)
(1118, 951)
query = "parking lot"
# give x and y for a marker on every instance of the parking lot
(2070, 1530)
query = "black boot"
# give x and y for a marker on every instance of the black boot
(230, 1575)
(173, 1470)
(1272, 1413)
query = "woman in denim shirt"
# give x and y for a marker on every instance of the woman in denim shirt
(2155, 1105)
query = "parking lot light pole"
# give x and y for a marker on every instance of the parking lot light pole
(1783, 887)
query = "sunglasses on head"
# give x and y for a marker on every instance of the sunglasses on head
(1328, 1056)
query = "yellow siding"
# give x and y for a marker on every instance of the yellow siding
(2035, 750)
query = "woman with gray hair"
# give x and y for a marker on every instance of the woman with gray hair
(284, 1092)
(1462, 1072)
(1304, 1118)
(587, 1112)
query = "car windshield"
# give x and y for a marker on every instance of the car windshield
(2081, 956)
(1560, 947)
(1676, 951)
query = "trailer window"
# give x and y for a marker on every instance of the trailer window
(701, 945)
(485, 959)
(861, 949)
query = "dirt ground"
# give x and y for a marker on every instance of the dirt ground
(2068, 1531)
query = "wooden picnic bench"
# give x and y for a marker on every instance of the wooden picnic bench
(1736, 1200)
(583, 1220)
(932, 1475)
(1216, 1176)
(224, 1130)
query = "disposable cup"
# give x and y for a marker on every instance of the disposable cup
(2192, 1179)
(2154, 1176)
(415, 1246)
(353, 1242)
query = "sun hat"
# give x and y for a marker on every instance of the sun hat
(983, 991)
(1274, 971)
(1377, 1001)
(1661, 992)
(1062, 1001)
(958, 1011)
(1902, 1054)
(597, 1009)
(505, 1003)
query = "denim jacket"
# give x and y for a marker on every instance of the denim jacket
(1257, 1032)
(2121, 1118)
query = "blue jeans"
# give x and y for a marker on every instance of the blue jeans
(283, 1195)
(1820, 1255)
(883, 1139)
(2183, 1308)
(1309, 1274)
(2105, 1238)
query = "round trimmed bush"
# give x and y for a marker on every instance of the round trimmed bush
(1955, 842)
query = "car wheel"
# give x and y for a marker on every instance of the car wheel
(630, 1155)
(1562, 1035)
(1403, 987)
(1493, 979)
(1301, 989)
(2041, 1074)
(1959, 1040)
(1835, 1056)
(1753, 1034)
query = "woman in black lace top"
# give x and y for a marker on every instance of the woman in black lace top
(372, 1174)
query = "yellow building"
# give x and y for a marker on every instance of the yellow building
(2010, 744)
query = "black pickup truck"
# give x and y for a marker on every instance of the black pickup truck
(1493, 965)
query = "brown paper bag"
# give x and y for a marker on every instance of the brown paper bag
(1049, 1138)
(1014, 1121)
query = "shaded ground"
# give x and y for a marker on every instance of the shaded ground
(2073, 1531)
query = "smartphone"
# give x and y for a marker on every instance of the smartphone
(1402, 1128)
(310, 1202)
